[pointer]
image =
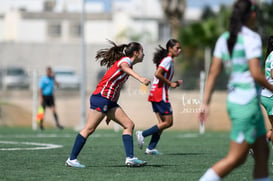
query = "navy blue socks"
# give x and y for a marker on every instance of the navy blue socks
(154, 140)
(150, 131)
(78, 145)
(128, 145)
(154, 131)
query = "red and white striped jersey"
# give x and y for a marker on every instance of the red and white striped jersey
(159, 90)
(112, 81)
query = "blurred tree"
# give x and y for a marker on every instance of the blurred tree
(207, 13)
(265, 20)
(195, 38)
(174, 12)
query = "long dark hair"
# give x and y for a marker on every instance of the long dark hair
(269, 48)
(161, 52)
(108, 56)
(240, 15)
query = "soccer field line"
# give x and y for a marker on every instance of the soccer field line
(39, 146)
(52, 135)
(188, 135)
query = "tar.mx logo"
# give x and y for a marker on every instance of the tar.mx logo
(190, 104)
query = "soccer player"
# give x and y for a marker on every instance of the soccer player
(239, 50)
(46, 93)
(103, 102)
(267, 95)
(164, 60)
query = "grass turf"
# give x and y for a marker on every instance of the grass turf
(186, 156)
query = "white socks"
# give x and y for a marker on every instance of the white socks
(210, 175)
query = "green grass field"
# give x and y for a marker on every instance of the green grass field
(186, 156)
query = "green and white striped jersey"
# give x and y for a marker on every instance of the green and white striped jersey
(241, 86)
(268, 68)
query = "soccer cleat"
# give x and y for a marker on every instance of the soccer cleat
(74, 163)
(134, 162)
(140, 139)
(251, 152)
(152, 152)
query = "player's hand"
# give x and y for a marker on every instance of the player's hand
(176, 83)
(145, 81)
(203, 112)
(179, 82)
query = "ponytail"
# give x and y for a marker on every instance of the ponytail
(159, 55)
(161, 52)
(109, 56)
(241, 12)
(269, 45)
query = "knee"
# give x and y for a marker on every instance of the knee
(129, 125)
(167, 124)
(86, 131)
(170, 124)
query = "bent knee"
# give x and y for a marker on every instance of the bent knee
(129, 125)
(87, 131)
(167, 124)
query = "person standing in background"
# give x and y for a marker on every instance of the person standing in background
(46, 94)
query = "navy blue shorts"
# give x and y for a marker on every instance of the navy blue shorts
(163, 108)
(102, 104)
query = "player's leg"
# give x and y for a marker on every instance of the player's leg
(51, 104)
(261, 150)
(93, 120)
(56, 118)
(236, 156)
(164, 116)
(164, 122)
(261, 155)
(267, 103)
(270, 131)
(119, 116)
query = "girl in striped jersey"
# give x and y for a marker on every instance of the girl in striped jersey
(240, 50)
(267, 95)
(164, 60)
(103, 102)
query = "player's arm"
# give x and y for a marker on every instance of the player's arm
(215, 69)
(271, 70)
(159, 73)
(55, 81)
(256, 73)
(125, 68)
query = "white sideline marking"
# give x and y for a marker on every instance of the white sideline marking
(96, 135)
(40, 146)
(188, 135)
